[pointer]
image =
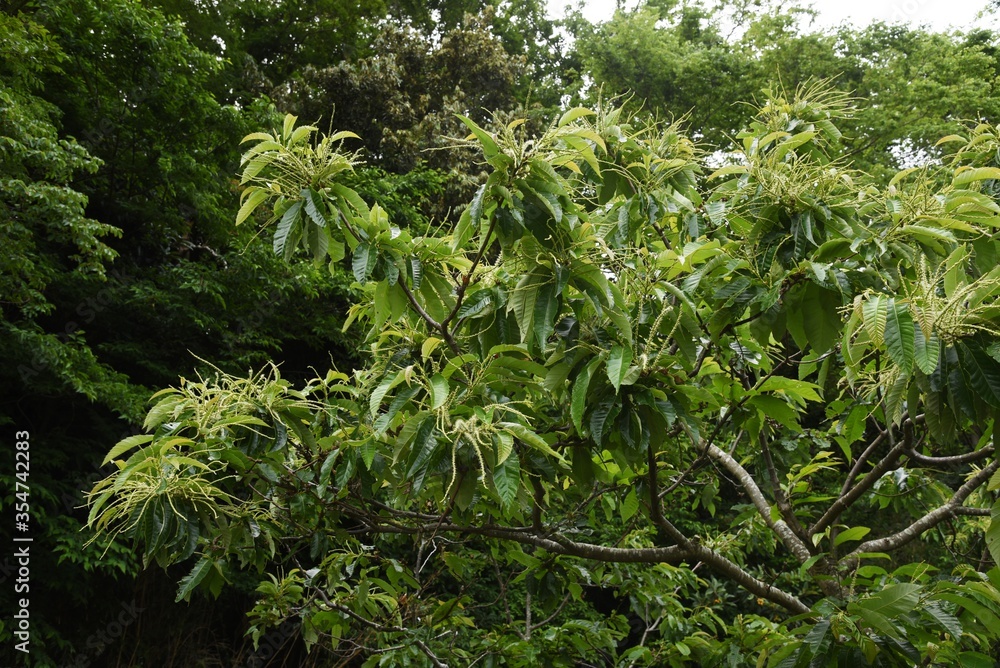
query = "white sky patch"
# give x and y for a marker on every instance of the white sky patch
(939, 15)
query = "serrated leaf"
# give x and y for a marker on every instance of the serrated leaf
(490, 148)
(363, 262)
(257, 196)
(285, 225)
(899, 337)
(546, 310)
(507, 478)
(476, 304)
(505, 445)
(531, 439)
(193, 579)
(875, 311)
(972, 174)
(947, 621)
(573, 114)
(599, 418)
(893, 601)
(368, 449)
(618, 363)
(429, 345)
(983, 373)
(926, 351)
(579, 396)
(476, 207)
(125, 445)
(314, 206)
(975, 660)
(993, 533)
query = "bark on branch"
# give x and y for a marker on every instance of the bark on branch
(928, 521)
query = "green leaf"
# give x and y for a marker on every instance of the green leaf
(257, 196)
(532, 439)
(980, 613)
(125, 445)
(439, 391)
(504, 445)
(368, 449)
(599, 418)
(477, 304)
(993, 533)
(875, 310)
(854, 533)
(363, 263)
(975, 660)
(777, 409)
(618, 363)
(507, 479)
(579, 399)
(490, 148)
(893, 601)
(476, 207)
(946, 620)
(193, 579)
(546, 310)
(983, 373)
(899, 337)
(629, 506)
(796, 390)
(573, 114)
(314, 206)
(422, 450)
(972, 174)
(926, 350)
(284, 229)
(877, 622)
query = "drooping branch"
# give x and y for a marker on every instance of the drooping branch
(928, 521)
(556, 543)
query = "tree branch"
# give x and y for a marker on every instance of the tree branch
(383, 628)
(846, 499)
(792, 542)
(948, 461)
(928, 521)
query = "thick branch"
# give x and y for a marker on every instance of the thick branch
(727, 568)
(928, 521)
(779, 527)
(952, 460)
(674, 554)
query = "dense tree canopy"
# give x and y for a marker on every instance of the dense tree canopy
(606, 342)
(603, 388)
